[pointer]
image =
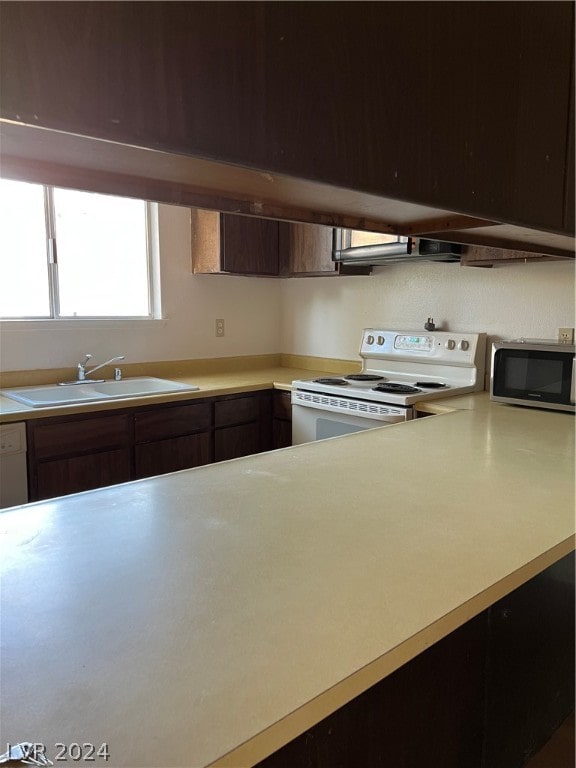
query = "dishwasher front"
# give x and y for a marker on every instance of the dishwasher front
(13, 471)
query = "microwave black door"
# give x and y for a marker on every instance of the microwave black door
(538, 375)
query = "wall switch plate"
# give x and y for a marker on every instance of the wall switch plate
(219, 328)
(566, 335)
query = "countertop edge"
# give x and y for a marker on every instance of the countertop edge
(19, 412)
(293, 725)
(215, 385)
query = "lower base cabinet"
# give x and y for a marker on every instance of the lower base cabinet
(72, 454)
(79, 453)
(233, 442)
(242, 425)
(172, 437)
(171, 455)
(81, 473)
(488, 695)
(281, 419)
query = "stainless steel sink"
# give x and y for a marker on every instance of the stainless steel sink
(54, 394)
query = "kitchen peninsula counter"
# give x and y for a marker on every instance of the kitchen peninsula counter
(210, 616)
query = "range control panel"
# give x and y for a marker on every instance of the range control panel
(447, 347)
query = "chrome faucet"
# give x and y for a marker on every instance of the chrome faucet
(83, 373)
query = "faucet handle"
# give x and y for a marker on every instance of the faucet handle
(85, 363)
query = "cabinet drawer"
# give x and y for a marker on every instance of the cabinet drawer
(78, 436)
(172, 455)
(282, 405)
(232, 442)
(81, 473)
(236, 411)
(174, 421)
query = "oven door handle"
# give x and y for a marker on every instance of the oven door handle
(364, 409)
(573, 386)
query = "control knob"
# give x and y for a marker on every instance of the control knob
(380, 340)
(450, 344)
(464, 345)
(370, 339)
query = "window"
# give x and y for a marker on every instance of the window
(69, 254)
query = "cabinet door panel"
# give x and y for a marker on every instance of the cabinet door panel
(249, 246)
(236, 411)
(281, 433)
(79, 435)
(306, 249)
(81, 473)
(162, 423)
(172, 455)
(282, 405)
(231, 442)
(282, 420)
(530, 678)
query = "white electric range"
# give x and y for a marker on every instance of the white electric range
(399, 368)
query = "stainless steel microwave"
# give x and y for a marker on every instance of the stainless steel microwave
(533, 372)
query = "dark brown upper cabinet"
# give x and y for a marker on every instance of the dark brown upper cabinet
(223, 243)
(475, 256)
(306, 251)
(413, 116)
(236, 245)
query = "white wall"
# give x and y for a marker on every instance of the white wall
(325, 316)
(191, 303)
(306, 316)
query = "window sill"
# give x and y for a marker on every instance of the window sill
(101, 323)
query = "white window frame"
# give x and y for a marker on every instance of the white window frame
(152, 270)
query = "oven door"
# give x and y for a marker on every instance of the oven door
(316, 416)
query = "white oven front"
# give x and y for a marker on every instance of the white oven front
(316, 416)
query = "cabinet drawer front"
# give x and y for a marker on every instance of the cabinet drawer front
(236, 411)
(82, 473)
(172, 455)
(232, 442)
(79, 435)
(282, 405)
(174, 421)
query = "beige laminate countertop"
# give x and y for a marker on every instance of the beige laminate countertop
(209, 616)
(211, 385)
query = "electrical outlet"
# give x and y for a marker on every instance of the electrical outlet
(566, 335)
(220, 328)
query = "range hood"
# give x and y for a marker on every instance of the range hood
(371, 249)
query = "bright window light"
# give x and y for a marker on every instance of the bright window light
(68, 254)
(24, 287)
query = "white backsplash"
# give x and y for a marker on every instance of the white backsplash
(324, 316)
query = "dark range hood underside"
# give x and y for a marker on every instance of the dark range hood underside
(407, 249)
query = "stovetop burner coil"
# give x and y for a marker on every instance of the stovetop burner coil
(400, 389)
(431, 384)
(332, 382)
(364, 377)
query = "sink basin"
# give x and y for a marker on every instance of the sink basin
(54, 394)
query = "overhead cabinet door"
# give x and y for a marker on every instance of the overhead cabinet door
(240, 245)
(248, 246)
